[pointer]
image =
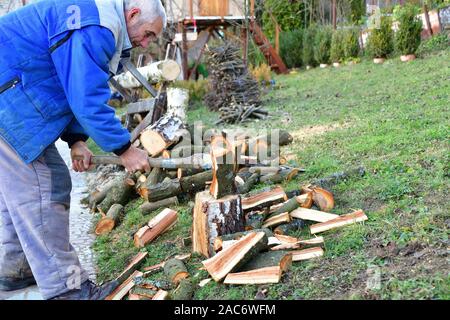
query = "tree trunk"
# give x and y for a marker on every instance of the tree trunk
(175, 271)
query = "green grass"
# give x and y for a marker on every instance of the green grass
(393, 119)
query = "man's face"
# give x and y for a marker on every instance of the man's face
(142, 33)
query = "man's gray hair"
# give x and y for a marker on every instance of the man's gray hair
(150, 9)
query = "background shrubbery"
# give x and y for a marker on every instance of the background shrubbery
(381, 41)
(407, 38)
(322, 44)
(291, 48)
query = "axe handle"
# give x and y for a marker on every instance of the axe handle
(197, 161)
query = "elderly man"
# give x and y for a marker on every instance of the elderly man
(56, 57)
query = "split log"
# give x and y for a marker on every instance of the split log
(184, 291)
(301, 244)
(340, 221)
(295, 225)
(134, 264)
(277, 220)
(167, 70)
(235, 256)
(149, 207)
(306, 254)
(213, 218)
(223, 167)
(156, 226)
(161, 295)
(164, 133)
(195, 183)
(136, 297)
(110, 221)
(313, 215)
(218, 242)
(286, 239)
(122, 290)
(264, 199)
(154, 177)
(260, 276)
(120, 193)
(175, 271)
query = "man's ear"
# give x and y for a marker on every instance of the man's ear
(132, 15)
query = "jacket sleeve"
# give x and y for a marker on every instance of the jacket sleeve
(82, 65)
(74, 133)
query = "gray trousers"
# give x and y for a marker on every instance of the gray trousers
(34, 212)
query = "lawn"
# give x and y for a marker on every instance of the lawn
(393, 120)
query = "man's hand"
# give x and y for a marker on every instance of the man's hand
(80, 150)
(135, 159)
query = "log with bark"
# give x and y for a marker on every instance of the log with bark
(161, 135)
(249, 184)
(175, 270)
(340, 221)
(254, 221)
(184, 291)
(149, 207)
(304, 201)
(295, 225)
(213, 218)
(235, 256)
(186, 185)
(155, 227)
(167, 70)
(322, 198)
(110, 220)
(120, 193)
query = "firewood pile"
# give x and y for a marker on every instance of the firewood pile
(234, 93)
(244, 236)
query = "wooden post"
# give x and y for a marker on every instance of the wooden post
(427, 19)
(185, 52)
(252, 10)
(334, 14)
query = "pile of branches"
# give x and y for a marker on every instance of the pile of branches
(234, 93)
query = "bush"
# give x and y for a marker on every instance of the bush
(337, 46)
(351, 43)
(308, 46)
(288, 14)
(381, 41)
(261, 73)
(407, 39)
(436, 43)
(291, 47)
(322, 45)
